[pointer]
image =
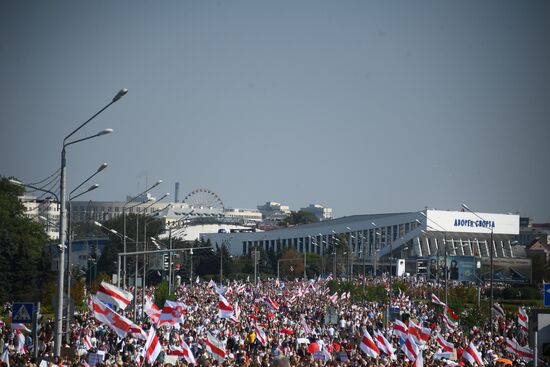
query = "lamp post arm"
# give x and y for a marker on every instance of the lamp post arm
(82, 184)
(80, 140)
(35, 188)
(85, 122)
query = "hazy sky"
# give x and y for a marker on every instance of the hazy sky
(363, 106)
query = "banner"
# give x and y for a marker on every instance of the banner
(507, 270)
(461, 268)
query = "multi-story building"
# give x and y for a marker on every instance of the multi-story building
(530, 232)
(376, 241)
(273, 212)
(319, 211)
(45, 211)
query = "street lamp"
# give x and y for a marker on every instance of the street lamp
(144, 257)
(63, 217)
(444, 232)
(70, 243)
(124, 207)
(490, 259)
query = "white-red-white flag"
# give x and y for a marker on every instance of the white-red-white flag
(384, 345)
(137, 332)
(472, 355)
(334, 298)
(420, 334)
(523, 352)
(225, 310)
(523, 320)
(260, 334)
(172, 312)
(498, 310)
(215, 347)
(443, 343)
(400, 329)
(236, 313)
(240, 289)
(368, 346)
(20, 327)
(183, 352)
(272, 303)
(410, 348)
(152, 311)
(437, 301)
(152, 347)
(113, 295)
(107, 316)
(87, 342)
(21, 348)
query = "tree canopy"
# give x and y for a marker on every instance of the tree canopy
(24, 254)
(299, 217)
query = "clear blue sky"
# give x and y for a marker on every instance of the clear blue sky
(363, 106)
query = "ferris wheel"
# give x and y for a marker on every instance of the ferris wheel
(203, 199)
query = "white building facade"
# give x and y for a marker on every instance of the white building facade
(45, 211)
(373, 237)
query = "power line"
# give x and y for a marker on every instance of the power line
(47, 178)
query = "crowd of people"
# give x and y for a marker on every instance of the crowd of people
(271, 323)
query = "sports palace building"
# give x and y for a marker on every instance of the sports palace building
(413, 242)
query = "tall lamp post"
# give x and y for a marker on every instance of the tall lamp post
(490, 259)
(444, 232)
(69, 249)
(63, 216)
(124, 207)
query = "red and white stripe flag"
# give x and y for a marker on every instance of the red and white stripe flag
(240, 289)
(111, 294)
(368, 346)
(152, 347)
(472, 355)
(334, 298)
(498, 310)
(522, 352)
(225, 310)
(105, 315)
(410, 348)
(384, 345)
(449, 323)
(236, 313)
(152, 311)
(21, 347)
(216, 348)
(444, 344)
(172, 312)
(272, 303)
(437, 301)
(20, 327)
(400, 329)
(183, 352)
(420, 334)
(523, 320)
(87, 342)
(260, 334)
(304, 326)
(137, 332)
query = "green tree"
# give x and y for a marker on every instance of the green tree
(162, 294)
(24, 255)
(299, 217)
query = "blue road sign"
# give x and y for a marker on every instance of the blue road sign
(546, 294)
(22, 313)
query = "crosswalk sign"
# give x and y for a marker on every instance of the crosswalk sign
(546, 294)
(22, 313)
